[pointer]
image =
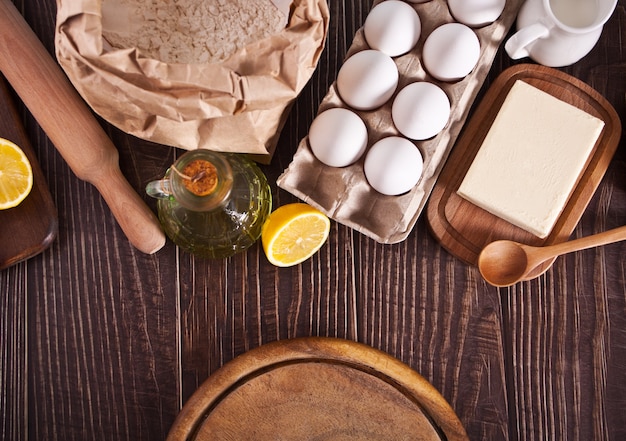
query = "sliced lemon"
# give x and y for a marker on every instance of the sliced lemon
(16, 175)
(293, 233)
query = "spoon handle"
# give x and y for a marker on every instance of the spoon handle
(615, 235)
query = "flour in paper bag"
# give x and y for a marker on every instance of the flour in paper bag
(189, 31)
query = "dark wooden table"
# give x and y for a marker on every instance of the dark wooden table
(100, 341)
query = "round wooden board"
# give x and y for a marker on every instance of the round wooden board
(316, 389)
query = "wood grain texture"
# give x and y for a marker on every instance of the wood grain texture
(100, 341)
(13, 360)
(437, 315)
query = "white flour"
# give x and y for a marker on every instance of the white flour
(189, 31)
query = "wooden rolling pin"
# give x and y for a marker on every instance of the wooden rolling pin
(72, 128)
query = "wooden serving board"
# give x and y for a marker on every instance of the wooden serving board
(316, 388)
(464, 229)
(29, 228)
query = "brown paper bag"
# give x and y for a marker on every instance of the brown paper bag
(237, 105)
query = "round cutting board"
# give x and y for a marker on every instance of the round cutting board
(316, 389)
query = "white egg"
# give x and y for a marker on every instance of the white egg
(393, 165)
(367, 79)
(392, 27)
(451, 51)
(420, 110)
(476, 13)
(338, 137)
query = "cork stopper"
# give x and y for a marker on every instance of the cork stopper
(200, 177)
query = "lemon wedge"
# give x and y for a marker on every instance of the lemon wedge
(293, 233)
(16, 175)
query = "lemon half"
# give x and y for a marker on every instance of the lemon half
(293, 233)
(16, 175)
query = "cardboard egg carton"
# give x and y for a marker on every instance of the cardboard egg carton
(344, 194)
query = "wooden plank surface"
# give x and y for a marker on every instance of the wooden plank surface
(100, 341)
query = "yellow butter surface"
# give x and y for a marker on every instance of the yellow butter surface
(531, 158)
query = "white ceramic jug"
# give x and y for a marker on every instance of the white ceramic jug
(558, 33)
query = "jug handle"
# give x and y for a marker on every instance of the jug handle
(516, 46)
(159, 189)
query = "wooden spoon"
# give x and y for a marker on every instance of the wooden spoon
(72, 128)
(505, 262)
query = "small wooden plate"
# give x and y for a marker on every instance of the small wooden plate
(464, 229)
(29, 228)
(316, 389)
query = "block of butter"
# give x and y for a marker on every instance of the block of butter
(531, 158)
